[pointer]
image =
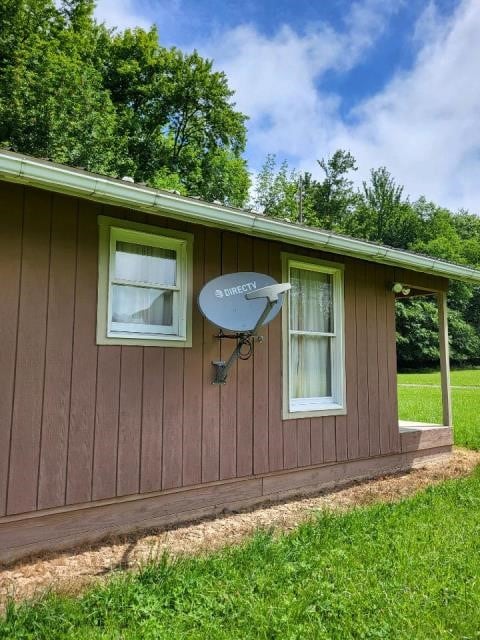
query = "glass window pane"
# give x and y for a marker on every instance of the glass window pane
(139, 305)
(311, 366)
(141, 263)
(311, 301)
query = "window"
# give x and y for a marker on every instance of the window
(313, 344)
(145, 280)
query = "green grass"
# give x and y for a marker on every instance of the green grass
(403, 571)
(462, 378)
(425, 404)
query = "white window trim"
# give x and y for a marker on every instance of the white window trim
(316, 407)
(109, 229)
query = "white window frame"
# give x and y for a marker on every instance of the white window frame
(336, 403)
(180, 334)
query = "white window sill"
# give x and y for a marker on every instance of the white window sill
(140, 340)
(311, 409)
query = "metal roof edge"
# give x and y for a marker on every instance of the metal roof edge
(60, 178)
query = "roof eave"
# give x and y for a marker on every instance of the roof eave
(62, 179)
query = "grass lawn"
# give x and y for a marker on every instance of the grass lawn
(425, 404)
(403, 571)
(460, 378)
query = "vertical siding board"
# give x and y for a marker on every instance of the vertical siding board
(303, 442)
(245, 382)
(329, 441)
(84, 360)
(362, 370)
(11, 221)
(316, 440)
(106, 423)
(130, 421)
(58, 359)
(152, 420)
(290, 444)
(260, 376)
(173, 401)
(392, 371)
(351, 360)
(372, 361)
(275, 426)
(193, 376)
(228, 391)
(211, 352)
(383, 300)
(30, 360)
(341, 444)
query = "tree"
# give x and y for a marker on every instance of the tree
(117, 103)
(52, 102)
(382, 215)
(276, 192)
(333, 199)
(177, 114)
(417, 336)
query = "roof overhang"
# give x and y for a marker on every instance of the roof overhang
(43, 174)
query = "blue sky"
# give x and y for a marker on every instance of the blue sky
(394, 81)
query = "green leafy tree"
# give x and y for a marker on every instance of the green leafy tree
(333, 199)
(177, 114)
(276, 192)
(381, 214)
(117, 103)
(417, 336)
(52, 102)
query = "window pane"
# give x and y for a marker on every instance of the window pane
(138, 305)
(311, 366)
(145, 264)
(311, 301)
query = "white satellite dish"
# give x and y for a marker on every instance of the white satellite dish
(240, 302)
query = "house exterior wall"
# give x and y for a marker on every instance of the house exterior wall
(81, 423)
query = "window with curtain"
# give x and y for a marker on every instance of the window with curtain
(315, 337)
(143, 288)
(147, 283)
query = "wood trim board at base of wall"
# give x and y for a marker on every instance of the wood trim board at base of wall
(64, 530)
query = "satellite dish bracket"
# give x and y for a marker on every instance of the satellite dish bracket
(247, 338)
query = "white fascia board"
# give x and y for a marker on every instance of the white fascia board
(62, 179)
(202, 213)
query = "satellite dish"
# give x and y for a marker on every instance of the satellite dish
(240, 302)
(234, 302)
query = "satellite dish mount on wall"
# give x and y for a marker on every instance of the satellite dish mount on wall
(242, 303)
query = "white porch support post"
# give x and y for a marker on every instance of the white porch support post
(444, 357)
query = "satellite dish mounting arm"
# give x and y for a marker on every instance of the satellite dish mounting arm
(271, 293)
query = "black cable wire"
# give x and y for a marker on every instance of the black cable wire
(248, 343)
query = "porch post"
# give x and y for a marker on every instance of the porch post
(444, 357)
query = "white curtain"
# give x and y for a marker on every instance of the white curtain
(142, 305)
(310, 366)
(139, 305)
(311, 310)
(140, 263)
(311, 301)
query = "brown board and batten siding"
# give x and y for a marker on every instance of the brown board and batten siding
(81, 423)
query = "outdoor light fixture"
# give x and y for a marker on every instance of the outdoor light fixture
(398, 287)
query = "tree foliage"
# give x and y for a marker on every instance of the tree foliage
(331, 201)
(117, 103)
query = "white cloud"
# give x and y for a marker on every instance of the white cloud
(424, 125)
(276, 78)
(123, 14)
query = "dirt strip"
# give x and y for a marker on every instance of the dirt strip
(71, 571)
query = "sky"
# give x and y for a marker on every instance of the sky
(395, 82)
